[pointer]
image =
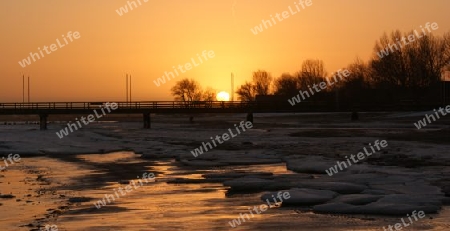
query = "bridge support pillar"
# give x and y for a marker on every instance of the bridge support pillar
(250, 117)
(147, 120)
(43, 121)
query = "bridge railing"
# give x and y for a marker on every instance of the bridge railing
(125, 105)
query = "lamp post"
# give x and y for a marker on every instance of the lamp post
(23, 88)
(126, 88)
(130, 87)
(232, 87)
(28, 89)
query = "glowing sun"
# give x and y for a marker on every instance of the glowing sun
(223, 96)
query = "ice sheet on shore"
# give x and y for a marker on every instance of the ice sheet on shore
(308, 156)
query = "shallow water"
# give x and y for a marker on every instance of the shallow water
(158, 205)
(162, 206)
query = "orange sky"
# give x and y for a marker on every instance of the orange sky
(157, 35)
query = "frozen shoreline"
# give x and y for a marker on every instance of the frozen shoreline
(306, 144)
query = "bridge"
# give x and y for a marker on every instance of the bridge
(43, 109)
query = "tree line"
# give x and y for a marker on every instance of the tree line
(411, 72)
